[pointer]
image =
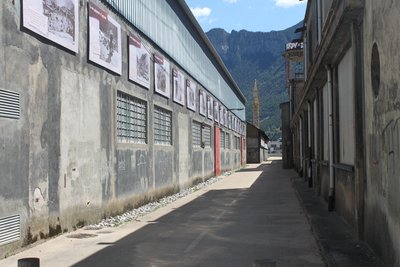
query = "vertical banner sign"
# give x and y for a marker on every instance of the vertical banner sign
(162, 80)
(104, 39)
(210, 107)
(139, 62)
(221, 115)
(191, 95)
(216, 111)
(203, 103)
(56, 20)
(179, 84)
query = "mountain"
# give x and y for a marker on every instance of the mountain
(257, 55)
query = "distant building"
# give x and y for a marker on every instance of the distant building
(104, 106)
(345, 119)
(257, 144)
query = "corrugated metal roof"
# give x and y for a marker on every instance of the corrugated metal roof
(161, 23)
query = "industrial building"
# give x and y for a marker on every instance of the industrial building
(342, 121)
(105, 105)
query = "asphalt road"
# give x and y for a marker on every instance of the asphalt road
(253, 214)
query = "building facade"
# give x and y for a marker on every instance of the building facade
(257, 144)
(105, 105)
(345, 128)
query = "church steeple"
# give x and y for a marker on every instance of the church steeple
(256, 106)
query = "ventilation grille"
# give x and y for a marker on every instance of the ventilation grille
(10, 229)
(9, 104)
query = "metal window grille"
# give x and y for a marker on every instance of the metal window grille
(206, 135)
(196, 134)
(228, 141)
(222, 139)
(10, 229)
(237, 142)
(9, 104)
(162, 126)
(131, 119)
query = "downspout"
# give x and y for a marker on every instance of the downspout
(331, 197)
(309, 145)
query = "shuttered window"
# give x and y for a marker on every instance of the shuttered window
(9, 104)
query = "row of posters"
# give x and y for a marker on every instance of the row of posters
(58, 21)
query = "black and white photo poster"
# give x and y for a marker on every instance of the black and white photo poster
(104, 39)
(216, 111)
(210, 107)
(191, 95)
(179, 83)
(162, 78)
(203, 103)
(56, 20)
(221, 115)
(139, 62)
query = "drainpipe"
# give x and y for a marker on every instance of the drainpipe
(309, 145)
(331, 197)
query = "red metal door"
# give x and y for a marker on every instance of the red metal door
(217, 155)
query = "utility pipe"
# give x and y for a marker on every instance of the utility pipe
(309, 144)
(331, 197)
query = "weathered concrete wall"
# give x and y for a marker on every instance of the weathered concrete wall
(382, 123)
(324, 181)
(345, 192)
(61, 163)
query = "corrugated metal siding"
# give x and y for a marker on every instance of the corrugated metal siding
(162, 25)
(10, 229)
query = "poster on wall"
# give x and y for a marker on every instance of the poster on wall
(216, 111)
(139, 62)
(179, 83)
(225, 117)
(162, 78)
(210, 108)
(203, 103)
(191, 95)
(221, 115)
(56, 20)
(104, 39)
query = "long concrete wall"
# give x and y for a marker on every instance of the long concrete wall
(61, 165)
(382, 125)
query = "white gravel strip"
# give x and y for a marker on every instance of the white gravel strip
(143, 210)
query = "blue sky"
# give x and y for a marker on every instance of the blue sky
(251, 15)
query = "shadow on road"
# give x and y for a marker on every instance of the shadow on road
(222, 228)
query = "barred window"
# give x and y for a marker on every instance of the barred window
(131, 119)
(228, 141)
(222, 139)
(196, 134)
(162, 126)
(237, 142)
(206, 131)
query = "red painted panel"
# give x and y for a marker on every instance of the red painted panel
(217, 155)
(242, 150)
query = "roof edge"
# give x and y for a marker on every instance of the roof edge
(211, 48)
